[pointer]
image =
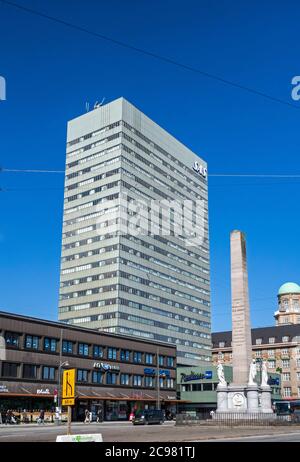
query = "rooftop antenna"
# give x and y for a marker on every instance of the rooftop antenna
(97, 104)
(87, 106)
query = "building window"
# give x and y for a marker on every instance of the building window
(287, 392)
(161, 360)
(97, 351)
(82, 375)
(170, 383)
(48, 373)
(271, 353)
(112, 353)
(12, 339)
(221, 344)
(29, 371)
(137, 357)
(298, 391)
(259, 341)
(285, 351)
(161, 382)
(111, 378)
(149, 382)
(258, 354)
(125, 355)
(298, 376)
(50, 344)
(9, 370)
(272, 364)
(97, 377)
(285, 339)
(170, 361)
(124, 379)
(32, 342)
(148, 358)
(67, 347)
(286, 363)
(272, 340)
(186, 387)
(137, 380)
(286, 377)
(83, 349)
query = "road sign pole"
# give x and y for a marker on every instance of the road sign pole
(69, 419)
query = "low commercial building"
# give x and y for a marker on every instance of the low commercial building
(113, 372)
(197, 386)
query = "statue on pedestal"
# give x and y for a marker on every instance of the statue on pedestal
(221, 376)
(264, 374)
(252, 373)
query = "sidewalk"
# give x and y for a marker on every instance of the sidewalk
(62, 424)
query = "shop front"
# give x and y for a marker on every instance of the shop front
(115, 404)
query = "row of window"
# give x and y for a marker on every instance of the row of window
(84, 349)
(31, 371)
(170, 165)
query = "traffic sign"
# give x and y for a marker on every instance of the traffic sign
(68, 402)
(68, 389)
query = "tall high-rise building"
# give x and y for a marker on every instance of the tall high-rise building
(132, 262)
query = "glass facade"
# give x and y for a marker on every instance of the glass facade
(148, 284)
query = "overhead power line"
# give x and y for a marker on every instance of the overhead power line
(150, 54)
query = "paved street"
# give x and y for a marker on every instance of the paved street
(126, 432)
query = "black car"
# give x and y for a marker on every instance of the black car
(149, 416)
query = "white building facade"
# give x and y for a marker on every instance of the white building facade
(135, 248)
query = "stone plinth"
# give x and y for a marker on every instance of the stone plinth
(266, 401)
(252, 395)
(222, 400)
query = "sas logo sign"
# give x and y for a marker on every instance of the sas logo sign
(200, 169)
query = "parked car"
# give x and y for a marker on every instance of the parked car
(148, 416)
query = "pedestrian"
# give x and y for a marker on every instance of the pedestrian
(41, 419)
(87, 416)
(99, 415)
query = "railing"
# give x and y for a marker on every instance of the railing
(235, 419)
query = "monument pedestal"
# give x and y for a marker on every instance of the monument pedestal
(266, 401)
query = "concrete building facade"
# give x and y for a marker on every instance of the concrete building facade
(148, 284)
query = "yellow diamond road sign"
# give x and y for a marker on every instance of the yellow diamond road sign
(68, 390)
(68, 402)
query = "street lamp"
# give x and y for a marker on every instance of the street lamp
(61, 365)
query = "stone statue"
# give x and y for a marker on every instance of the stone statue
(252, 373)
(264, 374)
(221, 376)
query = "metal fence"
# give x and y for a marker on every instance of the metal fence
(235, 420)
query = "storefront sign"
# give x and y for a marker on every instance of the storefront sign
(43, 391)
(3, 389)
(194, 376)
(200, 169)
(149, 371)
(106, 367)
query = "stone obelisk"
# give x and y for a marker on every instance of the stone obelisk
(241, 325)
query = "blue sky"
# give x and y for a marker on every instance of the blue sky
(52, 70)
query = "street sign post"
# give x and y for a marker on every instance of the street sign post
(68, 393)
